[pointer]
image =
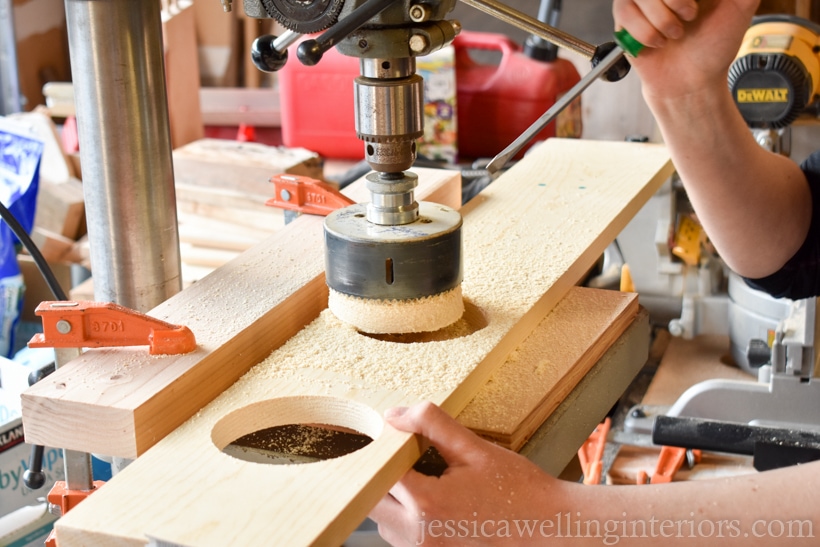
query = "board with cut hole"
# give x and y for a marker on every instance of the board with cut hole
(528, 239)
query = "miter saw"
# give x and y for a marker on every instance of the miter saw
(775, 81)
(394, 259)
(776, 76)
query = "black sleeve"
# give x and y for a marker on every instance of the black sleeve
(800, 276)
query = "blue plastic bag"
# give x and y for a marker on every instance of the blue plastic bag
(20, 155)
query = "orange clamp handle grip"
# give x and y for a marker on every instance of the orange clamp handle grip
(306, 195)
(81, 324)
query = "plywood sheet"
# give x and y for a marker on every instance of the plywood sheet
(687, 362)
(539, 374)
(527, 239)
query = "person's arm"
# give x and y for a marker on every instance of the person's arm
(492, 496)
(754, 205)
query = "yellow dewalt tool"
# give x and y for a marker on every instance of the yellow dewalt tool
(687, 240)
(776, 74)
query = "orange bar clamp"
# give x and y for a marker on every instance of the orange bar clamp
(306, 195)
(591, 453)
(81, 324)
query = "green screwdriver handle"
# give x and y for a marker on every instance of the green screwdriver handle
(629, 44)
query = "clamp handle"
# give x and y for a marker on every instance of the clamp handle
(627, 42)
(82, 324)
(306, 195)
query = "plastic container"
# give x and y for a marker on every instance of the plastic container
(496, 103)
(317, 105)
(20, 154)
(11, 305)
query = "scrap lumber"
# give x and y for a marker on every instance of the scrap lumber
(249, 166)
(221, 190)
(631, 460)
(239, 315)
(528, 238)
(60, 208)
(684, 364)
(540, 373)
(181, 71)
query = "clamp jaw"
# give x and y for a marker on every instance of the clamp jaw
(69, 326)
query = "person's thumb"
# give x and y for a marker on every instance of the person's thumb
(453, 441)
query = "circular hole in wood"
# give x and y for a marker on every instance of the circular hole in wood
(292, 430)
(472, 321)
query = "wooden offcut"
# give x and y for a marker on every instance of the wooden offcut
(528, 238)
(181, 71)
(684, 364)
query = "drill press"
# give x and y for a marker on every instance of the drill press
(394, 265)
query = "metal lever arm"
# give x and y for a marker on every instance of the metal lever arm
(533, 26)
(310, 51)
(270, 53)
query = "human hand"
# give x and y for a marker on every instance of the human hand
(483, 487)
(689, 44)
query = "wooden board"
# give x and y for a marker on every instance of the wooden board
(134, 399)
(61, 208)
(210, 162)
(527, 240)
(537, 376)
(181, 71)
(687, 362)
(631, 460)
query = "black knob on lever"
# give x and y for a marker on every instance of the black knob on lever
(265, 56)
(34, 477)
(310, 52)
(618, 71)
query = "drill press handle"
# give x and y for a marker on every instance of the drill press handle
(310, 52)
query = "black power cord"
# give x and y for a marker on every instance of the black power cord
(35, 253)
(34, 477)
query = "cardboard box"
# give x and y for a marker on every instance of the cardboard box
(14, 452)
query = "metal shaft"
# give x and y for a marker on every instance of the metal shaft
(125, 146)
(533, 26)
(9, 81)
(77, 465)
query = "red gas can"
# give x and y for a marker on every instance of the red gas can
(496, 103)
(317, 105)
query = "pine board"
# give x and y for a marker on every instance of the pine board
(539, 374)
(134, 399)
(209, 163)
(631, 460)
(527, 239)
